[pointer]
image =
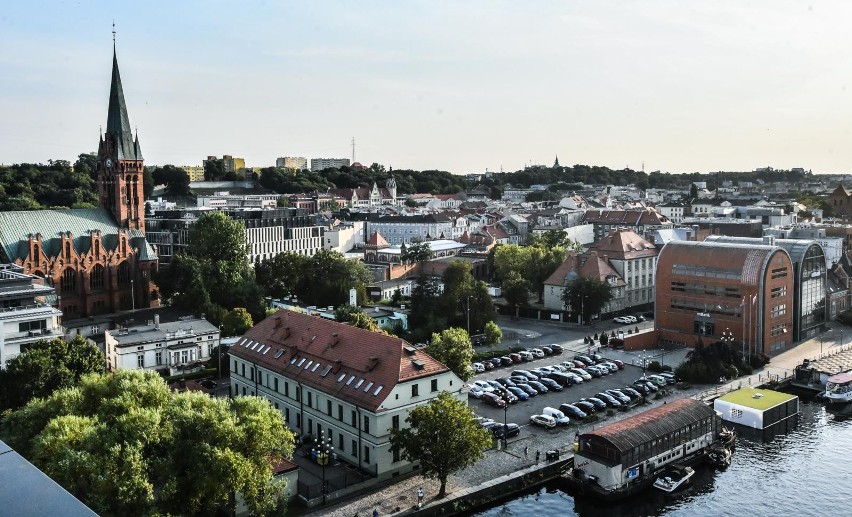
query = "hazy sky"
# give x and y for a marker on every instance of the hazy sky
(460, 86)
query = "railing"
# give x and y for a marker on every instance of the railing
(25, 307)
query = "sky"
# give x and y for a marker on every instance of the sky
(463, 86)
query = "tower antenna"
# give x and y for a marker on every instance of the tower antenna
(113, 33)
(353, 150)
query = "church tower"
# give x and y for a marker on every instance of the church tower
(120, 169)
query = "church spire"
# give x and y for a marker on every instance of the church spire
(556, 163)
(118, 123)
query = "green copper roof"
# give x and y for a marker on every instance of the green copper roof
(16, 228)
(766, 398)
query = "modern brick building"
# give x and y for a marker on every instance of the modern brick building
(711, 288)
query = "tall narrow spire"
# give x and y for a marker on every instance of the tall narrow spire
(118, 123)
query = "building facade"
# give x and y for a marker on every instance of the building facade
(706, 290)
(635, 260)
(97, 259)
(399, 229)
(348, 384)
(296, 163)
(321, 164)
(26, 313)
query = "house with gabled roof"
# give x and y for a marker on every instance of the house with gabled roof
(342, 382)
(587, 265)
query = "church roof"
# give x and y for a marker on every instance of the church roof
(118, 123)
(17, 226)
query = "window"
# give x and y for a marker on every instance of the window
(415, 390)
(354, 419)
(287, 414)
(244, 390)
(310, 399)
(780, 272)
(235, 366)
(251, 373)
(434, 385)
(286, 389)
(298, 394)
(779, 310)
(366, 454)
(96, 277)
(275, 382)
(140, 360)
(328, 407)
(340, 441)
(32, 326)
(779, 292)
(244, 369)
(395, 422)
(366, 427)
(395, 451)
(340, 413)
(354, 448)
(69, 280)
(159, 357)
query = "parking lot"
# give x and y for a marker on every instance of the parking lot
(521, 411)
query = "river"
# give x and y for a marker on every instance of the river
(806, 472)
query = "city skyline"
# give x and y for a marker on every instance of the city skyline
(676, 87)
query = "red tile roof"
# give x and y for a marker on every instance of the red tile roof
(625, 244)
(587, 265)
(377, 240)
(352, 364)
(646, 217)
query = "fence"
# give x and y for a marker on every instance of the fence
(336, 480)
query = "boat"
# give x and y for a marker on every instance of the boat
(720, 456)
(673, 478)
(727, 437)
(838, 389)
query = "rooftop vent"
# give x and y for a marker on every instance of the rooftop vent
(410, 350)
(418, 364)
(757, 396)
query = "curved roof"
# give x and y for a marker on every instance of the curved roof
(796, 248)
(626, 434)
(745, 260)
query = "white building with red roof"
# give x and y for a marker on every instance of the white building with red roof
(349, 383)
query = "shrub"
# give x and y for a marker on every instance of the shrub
(616, 343)
(604, 339)
(654, 366)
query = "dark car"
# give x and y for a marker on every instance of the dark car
(639, 317)
(572, 411)
(551, 384)
(619, 396)
(562, 378)
(509, 430)
(493, 399)
(539, 387)
(630, 392)
(208, 383)
(557, 349)
(578, 363)
(532, 392)
(641, 388)
(594, 372)
(506, 361)
(585, 359)
(645, 382)
(586, 406)
(517, 379)
(495, 362)
(516, 358)
(523, 373)
(518, 392)
(606, 397)
(598, 403)
(505, 381)
(547, 350)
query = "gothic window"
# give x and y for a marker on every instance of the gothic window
(69, 281)
(96, 278)
(97, 248)
(123, 273)
(67, 249)
(35, 252)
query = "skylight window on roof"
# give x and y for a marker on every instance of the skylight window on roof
(368, 387)
(378, 390)
(352, 378)
(300, 362)
(254, 345)
(360, 382)
(315, 367)
(308, 365)
(325, 371)
(293, 360)
(279, 353)
(342, 376)
(267, 349)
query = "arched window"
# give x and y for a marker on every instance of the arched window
(69, 281)
(35, 252)
(96, 278)
(123, 273)
(67, 249)
(97, 249)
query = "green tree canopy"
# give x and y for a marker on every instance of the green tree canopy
(174, 178)
(453, 348)
(125, 444)
(236, 322)
(416, 251)
(586, 295)
(45, 367)
(493, 334)
(516, 290)
(328, 276)
(425, 318)
(356, 317)
(443, 437)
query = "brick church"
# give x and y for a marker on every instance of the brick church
(97, 259)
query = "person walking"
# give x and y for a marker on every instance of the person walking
(526, 452)
(420, 497)
(537, 456)
(375, 512)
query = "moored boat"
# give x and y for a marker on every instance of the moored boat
(838, 389)
(673, 478)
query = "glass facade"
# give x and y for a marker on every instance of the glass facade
(812, 294)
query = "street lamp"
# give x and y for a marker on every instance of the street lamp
(323, 453)
(505, 425)
(728, 339)
(219, 352)
(468, 315)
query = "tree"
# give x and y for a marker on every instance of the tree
(416, 251)
(589, 295)
(493, 334)
(443, 437)
(124, 444)
(328, 276)
(236, 322)
(453, 348)
(425, 317)
(280, 275)
(214, 170)
(693, 191)
(174, 178)
(465, 302)
(45, 367)
(356, 317)
(534, 263)
(516, 290)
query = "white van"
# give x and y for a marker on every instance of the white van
(557, 415)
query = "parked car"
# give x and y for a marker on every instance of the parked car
(524, 373)
(506, 361)
(647, 384)
(574, 377)
(490, 426)
(539, 387)
(563, 378)
(594, 372)
(507, 431)
(588, 361)
(541, 371)
(488, 365)
(518, 392)
(495, 362)
(475, 392)
(557, 415)
(618, 363)
(538, 353)
(492, 399)
(669, 377)
(579, 364)
(656, 379)
(481, 420)
(583, 374)
(551, 384)
(518, 379)
(505, 381)
(639, 317)
(587, 407)
(631, 392)
(483, 385)
(609, 399)
(516, 358)
(526, 355)
(478, 367)
(573, 411)
(632, 319)
(598, 403)
(596, 358)
(621, 319)
(557, 349)
(532, 392)
(547, 350)
(558, 368)
(543, 421)
(509, 397)
(612, 366)
(603, 369)
(619, 396)
(494, 384)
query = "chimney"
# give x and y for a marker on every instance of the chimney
(335, 340)
(769, 240)
(156, 322)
